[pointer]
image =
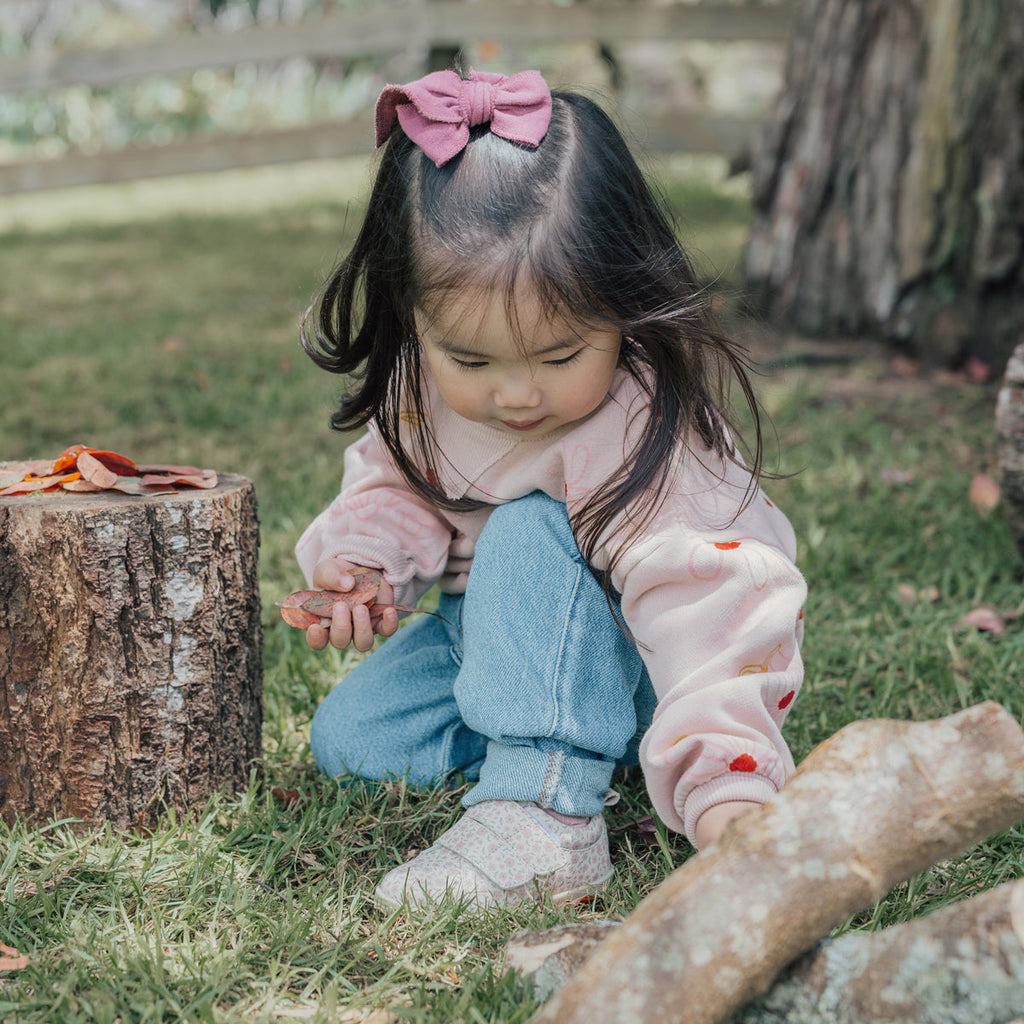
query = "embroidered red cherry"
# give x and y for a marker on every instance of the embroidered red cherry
(743, 763)
(787, 700)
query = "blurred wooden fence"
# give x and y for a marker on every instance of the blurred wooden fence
(382, 30)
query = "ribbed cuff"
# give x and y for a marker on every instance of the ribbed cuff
(398, 570)
(733, 786)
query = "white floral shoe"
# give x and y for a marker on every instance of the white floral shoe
(502, 852)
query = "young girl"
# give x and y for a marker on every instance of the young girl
(548, 439)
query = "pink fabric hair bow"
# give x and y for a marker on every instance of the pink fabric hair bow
(438, 110)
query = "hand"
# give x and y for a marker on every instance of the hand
(349, 627)
(711, 824)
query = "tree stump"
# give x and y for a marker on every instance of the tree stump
(130, 651)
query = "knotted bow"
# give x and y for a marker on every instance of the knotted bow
(438, 110)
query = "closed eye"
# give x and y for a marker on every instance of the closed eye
(565, 360)
(468, 364)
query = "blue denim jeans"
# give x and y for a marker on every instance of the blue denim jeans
(527, 686)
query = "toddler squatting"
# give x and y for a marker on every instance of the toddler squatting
(548, 438)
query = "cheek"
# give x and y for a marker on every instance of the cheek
(587, 391)
(459, 393)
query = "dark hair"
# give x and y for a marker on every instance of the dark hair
(576, 218)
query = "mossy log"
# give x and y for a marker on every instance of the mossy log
(963, 964)
(872, 806)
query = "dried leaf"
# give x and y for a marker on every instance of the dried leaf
(644, 830)
(203, 479)
(94, 471)
(986, 619)
(40, 483)
(86, 470)
(80, 486)
(978, 371)
(158, 467)
(291, 797)
(119, 464)
(985, 493)
(11, 959)
(307, 607)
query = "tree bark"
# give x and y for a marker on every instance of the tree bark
(867, 809)
(1010, 432)
(888, 180)
(960, 965)
(130, 651)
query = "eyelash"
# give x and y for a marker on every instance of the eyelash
(549, 362)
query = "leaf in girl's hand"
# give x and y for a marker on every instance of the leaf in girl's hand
(307, 607)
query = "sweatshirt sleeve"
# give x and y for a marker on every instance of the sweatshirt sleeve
(715, 602)
(378, 520)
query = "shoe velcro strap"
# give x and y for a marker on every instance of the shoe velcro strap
(509, 856)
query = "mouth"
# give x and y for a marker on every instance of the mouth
(523, 424)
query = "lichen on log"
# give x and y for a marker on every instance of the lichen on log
(867, 809)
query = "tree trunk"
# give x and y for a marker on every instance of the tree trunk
(1010, 431)
(867, 809)
(888, 179)
(130, 660)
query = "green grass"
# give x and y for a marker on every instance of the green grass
(172, 337)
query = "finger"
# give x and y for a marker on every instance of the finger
(341, 626)
(330, 575)
(389, 622)
(317, 637)
(362, 629)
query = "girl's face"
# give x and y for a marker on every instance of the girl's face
(527, 377)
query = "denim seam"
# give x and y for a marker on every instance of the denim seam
(552, 778)
(560, 657)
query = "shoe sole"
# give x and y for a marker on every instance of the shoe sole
(575, 895)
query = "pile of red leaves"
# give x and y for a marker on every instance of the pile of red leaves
(79, 468)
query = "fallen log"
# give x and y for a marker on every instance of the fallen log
(963, 964)
(869, 808)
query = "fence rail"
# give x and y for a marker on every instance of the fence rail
(380, 31)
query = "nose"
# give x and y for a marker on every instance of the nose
(517, 391)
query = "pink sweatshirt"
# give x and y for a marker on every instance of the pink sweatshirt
(714, 599)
